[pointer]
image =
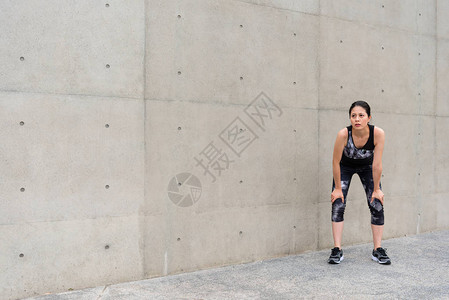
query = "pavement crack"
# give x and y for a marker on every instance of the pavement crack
(102, 292)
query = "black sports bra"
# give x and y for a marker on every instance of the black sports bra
(355, 157)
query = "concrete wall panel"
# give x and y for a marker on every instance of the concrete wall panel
(442, 210)
(378, 65)
(324, 230)
(330, 122)
(426, 75)
(240, 55)
(407, 223)
(176, 132)
(425, 152)
(65, 47)
(442, 21)
(70, 157)
(428, 213)
(416, 16)
(442, 155)
(154, 241)
(400, 154)
(442, 107)
(41, 257)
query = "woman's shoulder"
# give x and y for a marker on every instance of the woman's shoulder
(378, 131)
(343, 133)
(379, 136)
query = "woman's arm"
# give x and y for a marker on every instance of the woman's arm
(339, 145)
(379, 139)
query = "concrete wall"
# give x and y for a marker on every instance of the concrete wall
(146, 138)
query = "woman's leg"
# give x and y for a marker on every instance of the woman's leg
(338, 206)
(337, 232)
(377, 235)
(376, 207)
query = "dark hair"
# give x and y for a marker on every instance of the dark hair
(363, 105)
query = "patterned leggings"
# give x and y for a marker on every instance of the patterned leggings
(366, 176)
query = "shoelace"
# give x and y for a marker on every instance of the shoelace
(335, 251)
(382, 251)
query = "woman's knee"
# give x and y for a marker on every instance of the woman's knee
(338, 210)
(377, 212)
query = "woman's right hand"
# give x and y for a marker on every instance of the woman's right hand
(337, 193)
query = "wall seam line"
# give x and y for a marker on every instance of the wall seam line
(144, 81)
(318, 213)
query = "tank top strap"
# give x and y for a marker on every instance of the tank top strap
(370, 143)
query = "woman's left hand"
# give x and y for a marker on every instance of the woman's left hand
(378, 194)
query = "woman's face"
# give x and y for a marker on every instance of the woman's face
(359, 118)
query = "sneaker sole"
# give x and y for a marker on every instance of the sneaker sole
(334, 262)
(377, 260)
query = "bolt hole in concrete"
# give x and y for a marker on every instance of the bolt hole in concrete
(178, 239)
(179, 16)
(241, 26)
(107, 186)
(341, 87)
(106, 247)
(108, 66)
(341, 41)
(294, 34)
(179, 72)
(107, 5)
(179, 128)
(179, 183)
(106, 125)
(241, 232)
(294, 227)
(22, 58)
(241, 181)
(21, 255)
(22, 189)
(383, 91)
(22, 123)
(294, 82)
(241, 78)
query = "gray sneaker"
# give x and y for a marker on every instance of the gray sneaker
(380, 255)
(336, 256)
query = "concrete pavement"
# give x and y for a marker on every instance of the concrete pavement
(419, 270)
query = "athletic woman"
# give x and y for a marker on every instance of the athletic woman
(358, 149)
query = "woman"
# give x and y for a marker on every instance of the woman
(358, 149)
